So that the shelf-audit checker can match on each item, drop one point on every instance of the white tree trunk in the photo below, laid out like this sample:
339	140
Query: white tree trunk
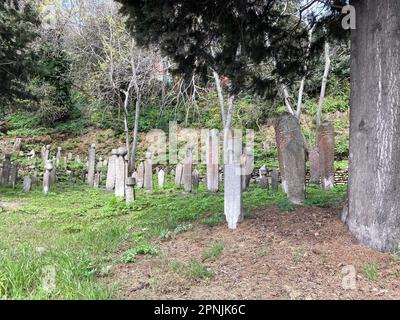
324	82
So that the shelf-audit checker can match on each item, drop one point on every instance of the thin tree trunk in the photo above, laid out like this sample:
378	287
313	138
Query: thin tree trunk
126	126
324	82
373	213
220	96
135	133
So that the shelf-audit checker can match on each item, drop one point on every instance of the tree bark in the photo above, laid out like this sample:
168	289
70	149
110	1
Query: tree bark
324	82
135	133
373	213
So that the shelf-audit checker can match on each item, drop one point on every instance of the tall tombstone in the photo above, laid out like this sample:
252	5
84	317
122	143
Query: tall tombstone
326	148
313	158
6	170
27	183
120	175
46	177
161	179
43	153
53	176
17	145
247	161
274	180
97	175
148	172
91	165
140	175
187	170
212	156
111	171
195	180
233	204
47	153
178	175
130	190
262	179
13	175
291	155
58	156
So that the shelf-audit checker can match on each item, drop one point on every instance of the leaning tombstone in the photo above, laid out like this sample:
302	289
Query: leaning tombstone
17	145
97	176
47	153
46	177
53	176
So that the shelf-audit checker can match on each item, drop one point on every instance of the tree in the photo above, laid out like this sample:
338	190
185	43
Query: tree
18	29
373	212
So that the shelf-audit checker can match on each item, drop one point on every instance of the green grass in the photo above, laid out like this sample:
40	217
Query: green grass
80	232
371	270
213	252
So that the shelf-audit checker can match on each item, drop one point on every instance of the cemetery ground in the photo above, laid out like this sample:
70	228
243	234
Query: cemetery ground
167	245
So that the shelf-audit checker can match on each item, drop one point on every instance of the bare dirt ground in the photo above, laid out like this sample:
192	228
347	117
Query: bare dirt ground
11	205
272	255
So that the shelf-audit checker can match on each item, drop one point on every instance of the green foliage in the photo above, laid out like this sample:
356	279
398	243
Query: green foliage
142	249
213	252
285	205
214	220
371	270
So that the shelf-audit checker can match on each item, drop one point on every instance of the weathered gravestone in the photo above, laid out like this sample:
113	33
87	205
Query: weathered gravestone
291	155
111	171
263	180
140	175
161	179
13	175
212	156
233	206
130	191
148	172
27	184
53	175
91	165
178	175
17	145
46	177
6	169
58	156
326	148
247	162
97	175
274	180
120	176
195	180
187	170
313	158
46	153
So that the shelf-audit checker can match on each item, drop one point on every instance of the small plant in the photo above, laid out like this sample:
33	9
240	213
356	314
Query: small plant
145	249
182	228
198	271
164	234
285	205
213	252
371	271
215	220
298	254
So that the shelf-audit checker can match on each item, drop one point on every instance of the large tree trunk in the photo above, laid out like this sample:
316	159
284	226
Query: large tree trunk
373	213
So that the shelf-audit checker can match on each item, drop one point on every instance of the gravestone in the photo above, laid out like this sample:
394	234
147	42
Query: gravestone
58	156
97	176
140	175
130	191
13	175
212	156
120	175
32	154
46	177
326	148
274	180
291	155
148	172
27	184
70	156
91	165
47	153
17	145
53	175
43	153
195	180
313	158
247	168
161	179
178	175
6	170
187	170
263	180
111	171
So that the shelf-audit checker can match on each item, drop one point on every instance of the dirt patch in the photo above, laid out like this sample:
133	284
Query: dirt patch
272	255
11	205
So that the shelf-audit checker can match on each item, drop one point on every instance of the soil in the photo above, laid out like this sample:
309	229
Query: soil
272	255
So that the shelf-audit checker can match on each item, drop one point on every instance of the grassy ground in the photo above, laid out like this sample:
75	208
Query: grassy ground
80	233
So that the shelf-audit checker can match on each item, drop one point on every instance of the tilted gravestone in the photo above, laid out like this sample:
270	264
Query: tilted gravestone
326	148
91	165
148	172
291	155
212	156
120	176
233	205
178	175
111	171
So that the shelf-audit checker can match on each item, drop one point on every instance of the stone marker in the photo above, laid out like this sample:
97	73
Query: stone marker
195	180
187	170
148	172
263	180
140	175
97	176
247	162
178	175
91	165
43	153
47	153
120	174
291	155
161	179
27	184
46	177
53	175
70	156
326	148
13	175
274	180
313	158
130	191
6	168
58	156
111	171
212	156
17	145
